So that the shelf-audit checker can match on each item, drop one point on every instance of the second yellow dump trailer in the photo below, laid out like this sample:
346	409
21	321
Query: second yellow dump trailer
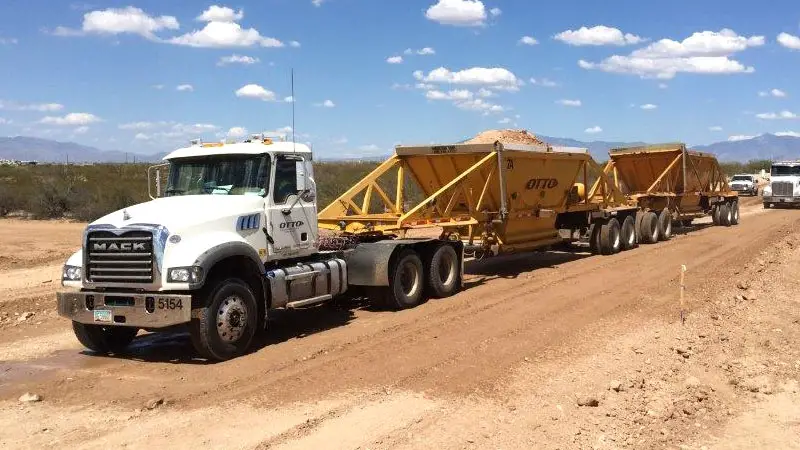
669	182
494	198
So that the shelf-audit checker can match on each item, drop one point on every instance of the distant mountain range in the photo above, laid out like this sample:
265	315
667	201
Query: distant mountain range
766	146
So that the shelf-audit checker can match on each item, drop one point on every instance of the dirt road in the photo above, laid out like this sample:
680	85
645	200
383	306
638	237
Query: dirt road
504	364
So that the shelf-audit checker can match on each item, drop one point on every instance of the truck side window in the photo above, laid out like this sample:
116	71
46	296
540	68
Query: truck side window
285	180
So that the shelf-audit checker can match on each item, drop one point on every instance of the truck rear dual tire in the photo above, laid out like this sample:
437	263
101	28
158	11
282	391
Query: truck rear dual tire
227	323
442	277
725	215
665	225
649	229
734	213
104	339
628	233
610	237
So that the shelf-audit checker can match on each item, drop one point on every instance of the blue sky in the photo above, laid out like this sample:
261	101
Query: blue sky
147	76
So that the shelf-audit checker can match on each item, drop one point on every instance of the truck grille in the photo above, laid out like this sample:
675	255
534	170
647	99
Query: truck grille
782	188
123	258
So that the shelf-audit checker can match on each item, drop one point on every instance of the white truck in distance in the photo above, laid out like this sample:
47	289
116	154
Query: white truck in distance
234	237
745	183
784	184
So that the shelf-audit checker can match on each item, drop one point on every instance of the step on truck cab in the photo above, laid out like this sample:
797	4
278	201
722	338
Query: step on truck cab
784	184
231	236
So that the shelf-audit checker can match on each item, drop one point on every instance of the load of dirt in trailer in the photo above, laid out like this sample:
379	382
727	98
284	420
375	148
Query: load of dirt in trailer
508	136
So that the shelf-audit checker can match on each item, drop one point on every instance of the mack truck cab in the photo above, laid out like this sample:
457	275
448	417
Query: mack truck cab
233	236
784	184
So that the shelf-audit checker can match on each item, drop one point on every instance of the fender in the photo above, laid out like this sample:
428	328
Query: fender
215	254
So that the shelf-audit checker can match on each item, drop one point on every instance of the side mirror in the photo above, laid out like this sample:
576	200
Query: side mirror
302	181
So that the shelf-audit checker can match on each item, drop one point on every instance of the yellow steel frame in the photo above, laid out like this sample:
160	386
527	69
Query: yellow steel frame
345	214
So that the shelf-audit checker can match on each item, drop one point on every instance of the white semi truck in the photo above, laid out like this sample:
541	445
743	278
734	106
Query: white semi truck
784	184
234	235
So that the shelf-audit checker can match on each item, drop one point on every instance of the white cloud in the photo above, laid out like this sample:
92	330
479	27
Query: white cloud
255	91
479	105
402	87
74	119
703	52
142	125
470	13
317	3
485	93
142	137
704	43
8	41
426	51
220	14
237	59
129	20
294	44
788	133
715	128
527	40
495	12
662	85
543	82
455	95
504	120
369	148
566	102
773	92
282	132
777	116
81	130
4	121
648	106
497	77
340	141
394	60
425	86
158	86
288	99
789	41
236	132
593	130
185	88
740	137
40	107
667	68
325	104
597	35
225	35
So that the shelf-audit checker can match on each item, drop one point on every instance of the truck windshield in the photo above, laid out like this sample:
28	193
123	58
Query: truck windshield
741	178
219	175
785	170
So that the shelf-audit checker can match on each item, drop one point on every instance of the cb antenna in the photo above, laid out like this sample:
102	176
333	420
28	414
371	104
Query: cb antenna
294	150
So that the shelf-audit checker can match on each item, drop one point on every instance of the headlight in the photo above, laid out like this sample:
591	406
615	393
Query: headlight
71	273
185	274
767	190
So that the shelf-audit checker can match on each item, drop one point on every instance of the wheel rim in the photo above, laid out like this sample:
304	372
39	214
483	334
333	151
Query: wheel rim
446	272
668	228
409	279
231	319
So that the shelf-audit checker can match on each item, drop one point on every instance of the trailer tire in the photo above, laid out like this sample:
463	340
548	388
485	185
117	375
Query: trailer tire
227	322
628	233
665	225
610	239
399	296
638	225
102	339
735	213
724	212
594	238
442	271
715	217
648	232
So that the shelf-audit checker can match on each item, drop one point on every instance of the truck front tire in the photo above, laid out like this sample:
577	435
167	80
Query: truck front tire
443	272
228	321
102	339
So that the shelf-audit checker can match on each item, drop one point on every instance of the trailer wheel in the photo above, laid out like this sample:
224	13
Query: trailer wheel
665	225
594	238
442	271
227	324
610	239
406	281
100	339
638	225
715	217
725	216
628	233
734	213
649	228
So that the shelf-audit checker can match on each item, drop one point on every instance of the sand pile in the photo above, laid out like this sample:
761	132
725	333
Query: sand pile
520	137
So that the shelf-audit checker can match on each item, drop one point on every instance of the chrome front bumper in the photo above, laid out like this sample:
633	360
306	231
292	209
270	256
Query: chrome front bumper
125	309
778	200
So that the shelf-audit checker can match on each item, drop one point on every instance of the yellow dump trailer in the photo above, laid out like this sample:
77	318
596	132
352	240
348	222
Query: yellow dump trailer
669	182
494	198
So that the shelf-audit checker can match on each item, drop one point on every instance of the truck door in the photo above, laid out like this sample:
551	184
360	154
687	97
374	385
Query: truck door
292	211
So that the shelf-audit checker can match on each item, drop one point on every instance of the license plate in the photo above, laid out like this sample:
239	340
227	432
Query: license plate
103	315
